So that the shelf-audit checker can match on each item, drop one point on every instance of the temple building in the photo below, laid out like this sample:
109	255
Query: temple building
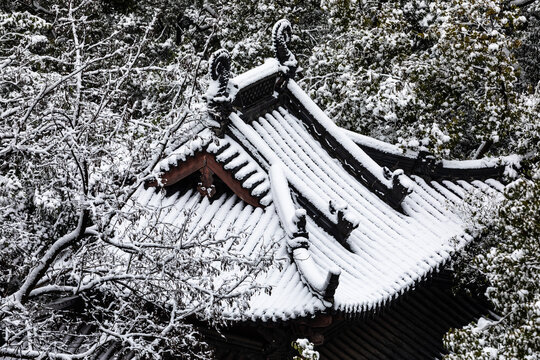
365	231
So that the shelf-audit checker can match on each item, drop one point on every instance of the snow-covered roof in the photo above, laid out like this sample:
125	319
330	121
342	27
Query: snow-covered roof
352	235
422	163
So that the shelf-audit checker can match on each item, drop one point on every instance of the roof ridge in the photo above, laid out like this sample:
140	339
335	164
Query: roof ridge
425	164
322	283
389	186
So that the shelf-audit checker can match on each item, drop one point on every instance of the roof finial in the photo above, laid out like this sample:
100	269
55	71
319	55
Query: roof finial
299	221
401	187
346	222
217	95
220	70
281	36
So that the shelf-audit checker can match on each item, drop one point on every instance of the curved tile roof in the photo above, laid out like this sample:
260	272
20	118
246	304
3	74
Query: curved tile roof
387	254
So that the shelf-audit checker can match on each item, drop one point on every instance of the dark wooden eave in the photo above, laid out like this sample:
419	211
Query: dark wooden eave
205	162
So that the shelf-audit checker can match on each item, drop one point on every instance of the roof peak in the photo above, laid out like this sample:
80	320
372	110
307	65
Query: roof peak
221	92
281	36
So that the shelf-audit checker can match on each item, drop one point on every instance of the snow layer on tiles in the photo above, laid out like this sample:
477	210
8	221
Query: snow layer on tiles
227	216
236	162
254	140
239	156
317	279
233	157
188	149
337	133
391	252
289	299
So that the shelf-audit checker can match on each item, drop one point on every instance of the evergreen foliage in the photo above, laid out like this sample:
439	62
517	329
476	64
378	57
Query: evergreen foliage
507	261
305	350
439	75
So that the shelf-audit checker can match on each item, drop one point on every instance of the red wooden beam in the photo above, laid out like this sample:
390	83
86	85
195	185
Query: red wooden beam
181	171
231	182
206	186
207	164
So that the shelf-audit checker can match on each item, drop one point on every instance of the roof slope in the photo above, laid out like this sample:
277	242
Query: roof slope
352	234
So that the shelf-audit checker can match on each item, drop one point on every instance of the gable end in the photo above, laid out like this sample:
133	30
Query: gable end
207	164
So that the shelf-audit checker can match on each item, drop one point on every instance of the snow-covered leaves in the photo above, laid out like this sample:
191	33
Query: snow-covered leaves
435	75
507	259
305	350
92	96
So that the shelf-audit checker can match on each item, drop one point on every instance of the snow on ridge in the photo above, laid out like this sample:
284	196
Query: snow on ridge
488	162
282	198
269	67
192	146
206	141
378	144
336	132
315	277
470	164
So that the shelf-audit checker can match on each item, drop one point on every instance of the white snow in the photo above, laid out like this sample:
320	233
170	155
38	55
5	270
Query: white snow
282	198
269	67
336	132
205	140
378	145
314	277
190	148
493	47
472	164
311	274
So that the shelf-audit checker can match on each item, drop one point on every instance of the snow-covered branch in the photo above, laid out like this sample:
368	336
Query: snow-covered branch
48	258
